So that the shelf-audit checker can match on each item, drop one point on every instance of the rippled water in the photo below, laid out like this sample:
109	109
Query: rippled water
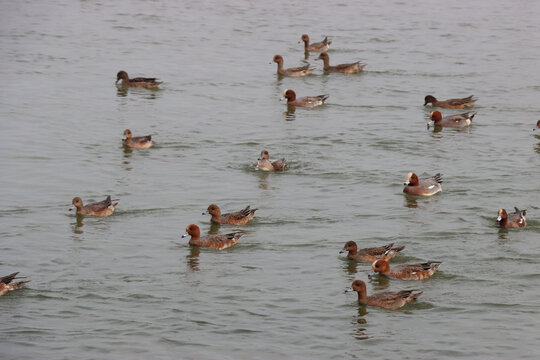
129	287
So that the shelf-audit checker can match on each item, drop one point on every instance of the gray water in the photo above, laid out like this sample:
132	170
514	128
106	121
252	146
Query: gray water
129	287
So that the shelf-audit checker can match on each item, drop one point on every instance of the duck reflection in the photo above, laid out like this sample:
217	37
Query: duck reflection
411	202
360	332
214	228
263	177
77	225
290	113
350	266
193	258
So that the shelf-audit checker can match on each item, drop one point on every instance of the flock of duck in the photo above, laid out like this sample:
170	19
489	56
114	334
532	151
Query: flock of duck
378	256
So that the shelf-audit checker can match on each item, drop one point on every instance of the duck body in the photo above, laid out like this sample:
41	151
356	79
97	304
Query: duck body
306	101
385	252
459	120
450	103
241	217
264	163
138	81
218	242
292	72
423	187
389	299
101	209
137	142
511	220
341	68
405	271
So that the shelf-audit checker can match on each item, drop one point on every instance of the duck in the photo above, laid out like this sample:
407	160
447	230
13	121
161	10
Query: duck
6	284
264	163
450	103
422	187
218	242
138	142
316	47
515	219
102	208
341	68
292	72
389	299
307	101
385	252
241	217
405	271
459	120
138	81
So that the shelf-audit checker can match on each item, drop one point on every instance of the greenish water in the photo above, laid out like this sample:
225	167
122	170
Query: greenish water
128	286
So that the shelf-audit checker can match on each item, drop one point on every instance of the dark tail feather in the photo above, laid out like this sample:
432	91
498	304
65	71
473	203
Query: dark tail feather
438	178
8	278
398	248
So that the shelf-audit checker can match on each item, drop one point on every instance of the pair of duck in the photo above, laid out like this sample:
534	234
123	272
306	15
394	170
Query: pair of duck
432	185
306	70
379	256
220	241
457	120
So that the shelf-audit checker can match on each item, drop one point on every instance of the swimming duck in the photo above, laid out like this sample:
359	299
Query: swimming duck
6	284
460	120
292	72
515	219
218	242
385	252
316	47
422	187
450	103
264	163
241	217
138	142
341	68
388	299
101	208
307	101
405	271
138	81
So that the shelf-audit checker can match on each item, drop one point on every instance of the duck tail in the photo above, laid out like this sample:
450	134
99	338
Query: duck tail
398	248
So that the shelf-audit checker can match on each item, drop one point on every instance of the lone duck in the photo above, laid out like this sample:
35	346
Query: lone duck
138	81
450	103
405	271
341	68
102	208
138	142
385	252
218	242
306	101
316	47
460	120
241	217
264	163
388	299
292	72
422	187
515	219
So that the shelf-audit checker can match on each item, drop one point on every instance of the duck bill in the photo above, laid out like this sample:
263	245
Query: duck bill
406	183
342	251
371	273
349	289
205	212
499	219
185	235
